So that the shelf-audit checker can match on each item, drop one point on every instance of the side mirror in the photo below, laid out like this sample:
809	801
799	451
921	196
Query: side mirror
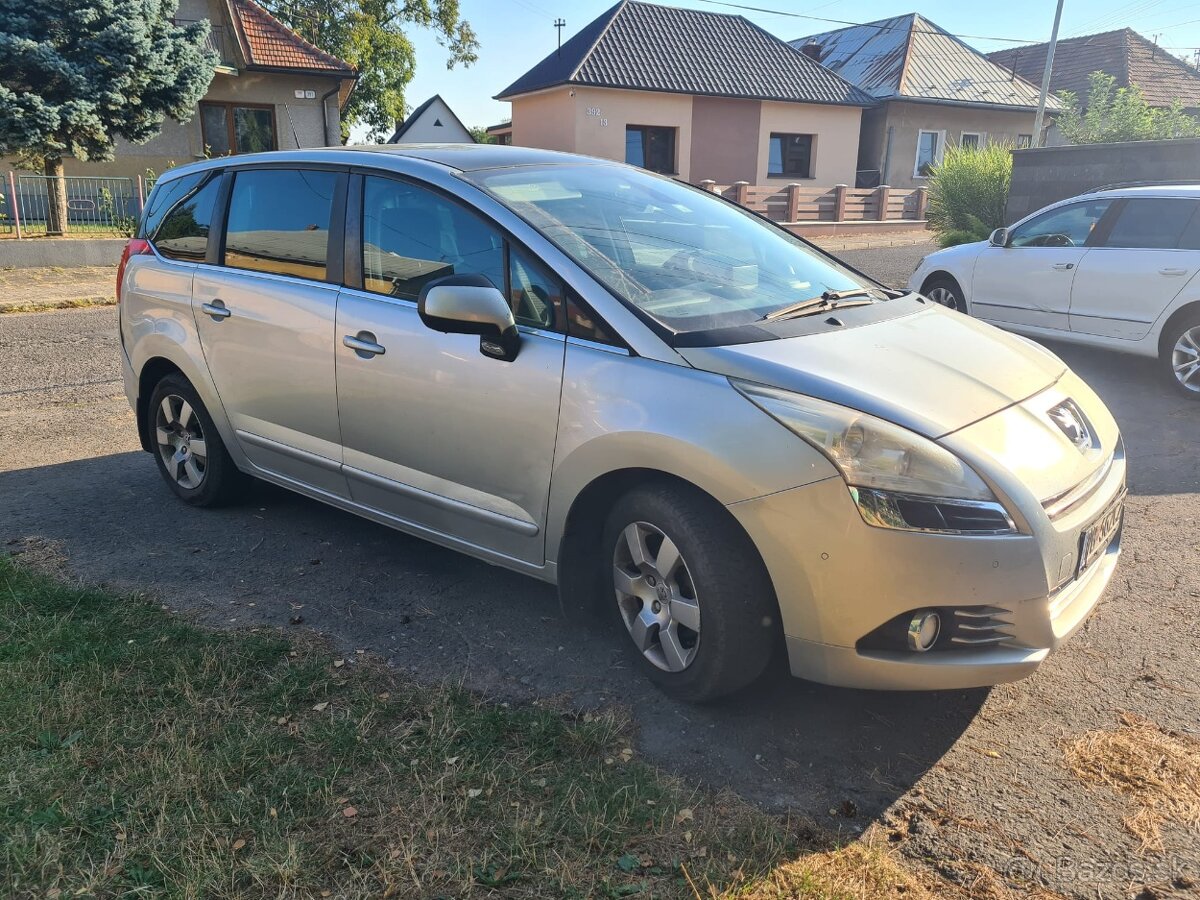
469	304
999	238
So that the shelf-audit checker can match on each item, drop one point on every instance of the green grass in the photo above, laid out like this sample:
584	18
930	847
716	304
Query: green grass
143	756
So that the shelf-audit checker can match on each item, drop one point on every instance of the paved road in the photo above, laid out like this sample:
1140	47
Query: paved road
977	774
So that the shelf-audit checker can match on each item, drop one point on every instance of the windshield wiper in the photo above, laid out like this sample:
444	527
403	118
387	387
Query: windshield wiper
829	300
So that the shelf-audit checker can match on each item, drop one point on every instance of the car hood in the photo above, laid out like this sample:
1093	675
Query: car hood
934	371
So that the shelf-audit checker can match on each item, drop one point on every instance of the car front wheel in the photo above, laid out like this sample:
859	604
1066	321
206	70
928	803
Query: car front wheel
945	291
691	594
1180	356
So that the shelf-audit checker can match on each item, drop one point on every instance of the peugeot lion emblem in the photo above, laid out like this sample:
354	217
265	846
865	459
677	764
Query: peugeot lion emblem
1072	423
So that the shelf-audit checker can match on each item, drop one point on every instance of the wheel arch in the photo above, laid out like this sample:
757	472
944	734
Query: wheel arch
1187	310
153	371
943	274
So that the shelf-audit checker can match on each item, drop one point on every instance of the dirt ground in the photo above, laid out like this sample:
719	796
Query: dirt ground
974	783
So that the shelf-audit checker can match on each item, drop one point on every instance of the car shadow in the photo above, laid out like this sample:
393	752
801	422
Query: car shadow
281	560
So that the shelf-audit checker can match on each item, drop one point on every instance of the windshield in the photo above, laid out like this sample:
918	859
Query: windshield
681	255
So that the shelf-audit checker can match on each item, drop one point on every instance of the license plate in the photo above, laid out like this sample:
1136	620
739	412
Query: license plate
1097	536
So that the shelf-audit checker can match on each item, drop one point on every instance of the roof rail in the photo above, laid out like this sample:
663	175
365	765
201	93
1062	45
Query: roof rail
1117	185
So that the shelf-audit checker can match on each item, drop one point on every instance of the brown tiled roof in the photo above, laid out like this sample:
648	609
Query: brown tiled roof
269	43
1130	58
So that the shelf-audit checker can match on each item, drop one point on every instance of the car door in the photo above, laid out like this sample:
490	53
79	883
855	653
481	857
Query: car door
1145	258
434	433
1028	281
266	321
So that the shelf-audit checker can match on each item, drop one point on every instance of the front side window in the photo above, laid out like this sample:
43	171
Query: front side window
1151	224
229	128
279	221
929	152
651	148
534	294
183	232
412	236
1067	226
688	259
790	155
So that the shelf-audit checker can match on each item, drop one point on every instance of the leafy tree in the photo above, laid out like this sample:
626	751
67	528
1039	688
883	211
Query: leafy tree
75	75
968	191
479	132
1120	114
370	35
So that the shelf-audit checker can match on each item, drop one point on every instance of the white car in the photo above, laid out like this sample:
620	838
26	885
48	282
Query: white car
1113	268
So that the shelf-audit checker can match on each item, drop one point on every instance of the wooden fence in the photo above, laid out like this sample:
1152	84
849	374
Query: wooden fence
795	203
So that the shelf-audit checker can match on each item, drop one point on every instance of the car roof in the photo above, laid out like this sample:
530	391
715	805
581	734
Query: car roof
1186	191
459	157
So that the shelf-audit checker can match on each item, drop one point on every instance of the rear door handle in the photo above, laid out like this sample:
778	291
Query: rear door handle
1064	267
1172	272
217	310
363	344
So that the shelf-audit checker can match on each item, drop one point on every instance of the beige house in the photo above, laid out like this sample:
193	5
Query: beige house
694	94
932	91
272	90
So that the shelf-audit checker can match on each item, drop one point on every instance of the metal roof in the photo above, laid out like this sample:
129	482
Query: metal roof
909	57
647	47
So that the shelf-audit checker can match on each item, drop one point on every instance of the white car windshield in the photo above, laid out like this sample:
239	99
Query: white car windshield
679	254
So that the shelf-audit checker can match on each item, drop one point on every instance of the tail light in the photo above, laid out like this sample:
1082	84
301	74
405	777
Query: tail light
135	247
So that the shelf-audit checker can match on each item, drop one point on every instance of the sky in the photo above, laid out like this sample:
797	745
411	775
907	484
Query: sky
516	34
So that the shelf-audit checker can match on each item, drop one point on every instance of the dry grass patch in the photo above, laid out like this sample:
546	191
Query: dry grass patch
1156	769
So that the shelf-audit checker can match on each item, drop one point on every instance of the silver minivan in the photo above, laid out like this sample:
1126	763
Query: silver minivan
694	423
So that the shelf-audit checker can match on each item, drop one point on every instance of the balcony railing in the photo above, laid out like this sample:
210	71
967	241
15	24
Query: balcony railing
218	40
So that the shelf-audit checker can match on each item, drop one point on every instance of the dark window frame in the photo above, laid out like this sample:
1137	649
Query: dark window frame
354	248
231	126
784	136
673	130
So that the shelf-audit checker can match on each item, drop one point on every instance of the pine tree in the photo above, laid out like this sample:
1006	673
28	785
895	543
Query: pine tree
75	75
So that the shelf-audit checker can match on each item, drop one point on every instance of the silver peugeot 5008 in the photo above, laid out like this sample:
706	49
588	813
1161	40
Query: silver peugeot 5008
687	418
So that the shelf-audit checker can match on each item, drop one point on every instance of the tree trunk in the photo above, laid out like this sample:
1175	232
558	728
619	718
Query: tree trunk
56	194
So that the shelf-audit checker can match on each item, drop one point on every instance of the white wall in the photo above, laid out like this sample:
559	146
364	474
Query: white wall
425	130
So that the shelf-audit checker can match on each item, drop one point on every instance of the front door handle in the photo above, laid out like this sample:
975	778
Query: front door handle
1172	273
217	310
363	344
1063	267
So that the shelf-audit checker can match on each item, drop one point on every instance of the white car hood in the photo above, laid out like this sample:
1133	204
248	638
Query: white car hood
934	371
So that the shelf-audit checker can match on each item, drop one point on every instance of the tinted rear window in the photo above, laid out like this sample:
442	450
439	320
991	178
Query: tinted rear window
1151	224
279	222
183	233
165	195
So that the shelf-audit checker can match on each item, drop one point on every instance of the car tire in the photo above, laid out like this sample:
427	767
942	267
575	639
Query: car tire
1179	355
945	291
191	456
717	577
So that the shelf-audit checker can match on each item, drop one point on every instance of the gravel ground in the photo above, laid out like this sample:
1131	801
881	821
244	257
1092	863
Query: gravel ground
967	779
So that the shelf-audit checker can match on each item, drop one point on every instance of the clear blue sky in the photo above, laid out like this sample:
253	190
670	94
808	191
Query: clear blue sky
515	34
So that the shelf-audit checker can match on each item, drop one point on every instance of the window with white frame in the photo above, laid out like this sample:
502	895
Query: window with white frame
971	140
1024	141
929	152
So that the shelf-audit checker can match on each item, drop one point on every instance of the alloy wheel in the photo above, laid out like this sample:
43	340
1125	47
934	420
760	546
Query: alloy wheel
180	440
944	297
656	597
1185	359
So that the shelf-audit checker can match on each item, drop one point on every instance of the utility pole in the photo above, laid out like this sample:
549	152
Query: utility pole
1041	113
560	24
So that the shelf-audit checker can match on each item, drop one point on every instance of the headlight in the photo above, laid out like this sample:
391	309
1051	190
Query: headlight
897	478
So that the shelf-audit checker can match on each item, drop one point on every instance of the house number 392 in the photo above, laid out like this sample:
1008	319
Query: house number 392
595	111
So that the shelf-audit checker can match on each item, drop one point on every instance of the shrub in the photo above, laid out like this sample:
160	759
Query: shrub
967	193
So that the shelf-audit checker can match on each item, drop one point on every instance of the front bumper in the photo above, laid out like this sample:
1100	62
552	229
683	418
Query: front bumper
838	579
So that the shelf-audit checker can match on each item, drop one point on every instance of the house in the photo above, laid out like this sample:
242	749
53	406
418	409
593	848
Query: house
1130	58
433	122
500	133
272	90
695	94
932	90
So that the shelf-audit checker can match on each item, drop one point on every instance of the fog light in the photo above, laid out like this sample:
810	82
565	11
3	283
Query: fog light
923	631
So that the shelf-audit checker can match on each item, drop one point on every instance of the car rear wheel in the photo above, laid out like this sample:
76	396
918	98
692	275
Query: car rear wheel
191	456
1180	356
692	595
944	291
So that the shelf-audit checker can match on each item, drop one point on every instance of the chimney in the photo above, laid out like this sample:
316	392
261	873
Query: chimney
812	50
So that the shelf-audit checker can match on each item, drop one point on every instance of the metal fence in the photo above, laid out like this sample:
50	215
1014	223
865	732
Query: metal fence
87	206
